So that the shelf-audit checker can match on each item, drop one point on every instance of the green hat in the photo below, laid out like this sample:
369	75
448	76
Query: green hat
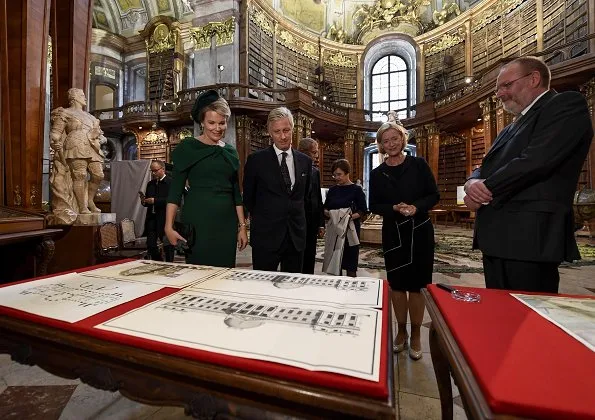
204	99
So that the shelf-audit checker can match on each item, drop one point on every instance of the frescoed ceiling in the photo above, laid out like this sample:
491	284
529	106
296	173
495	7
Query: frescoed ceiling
127	17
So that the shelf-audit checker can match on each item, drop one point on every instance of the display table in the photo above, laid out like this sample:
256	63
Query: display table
204	383
507	360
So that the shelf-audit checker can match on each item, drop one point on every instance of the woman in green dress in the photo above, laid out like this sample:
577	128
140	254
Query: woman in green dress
213	204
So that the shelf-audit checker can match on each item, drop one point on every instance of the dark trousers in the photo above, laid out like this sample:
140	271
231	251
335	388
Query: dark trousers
528	276
153	248
310	251
289	258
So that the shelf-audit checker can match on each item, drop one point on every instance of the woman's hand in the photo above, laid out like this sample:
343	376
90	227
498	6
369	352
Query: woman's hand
173	237
242	238
407	210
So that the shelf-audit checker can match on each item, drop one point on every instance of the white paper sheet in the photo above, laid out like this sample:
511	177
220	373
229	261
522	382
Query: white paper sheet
156	272
71	297
314	337
576	316
359	291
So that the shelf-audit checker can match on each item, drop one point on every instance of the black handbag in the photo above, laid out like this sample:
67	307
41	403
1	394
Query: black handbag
187	231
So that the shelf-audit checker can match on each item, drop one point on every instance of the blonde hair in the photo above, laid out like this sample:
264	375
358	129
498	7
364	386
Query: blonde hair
220	106
279	114
387	126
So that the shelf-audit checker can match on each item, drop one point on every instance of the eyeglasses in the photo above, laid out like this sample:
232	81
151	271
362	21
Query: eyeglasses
508	85
337	175
156	170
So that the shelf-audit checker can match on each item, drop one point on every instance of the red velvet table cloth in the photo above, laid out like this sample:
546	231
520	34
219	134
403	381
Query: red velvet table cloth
525	365
372	389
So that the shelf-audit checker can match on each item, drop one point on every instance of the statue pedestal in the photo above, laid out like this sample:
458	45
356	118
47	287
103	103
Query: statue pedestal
371	230
78	245
94	219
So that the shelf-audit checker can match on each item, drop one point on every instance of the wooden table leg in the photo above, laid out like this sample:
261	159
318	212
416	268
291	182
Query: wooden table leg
442	372
45	252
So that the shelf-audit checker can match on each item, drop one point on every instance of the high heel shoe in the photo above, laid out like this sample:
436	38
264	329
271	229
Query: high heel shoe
397	348
415	354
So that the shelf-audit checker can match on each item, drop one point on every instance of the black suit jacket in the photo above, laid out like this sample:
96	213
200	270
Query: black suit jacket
273	211
315	215
155	219
532	170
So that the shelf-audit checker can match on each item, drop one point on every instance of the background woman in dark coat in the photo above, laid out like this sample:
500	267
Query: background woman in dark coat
402	191
346	194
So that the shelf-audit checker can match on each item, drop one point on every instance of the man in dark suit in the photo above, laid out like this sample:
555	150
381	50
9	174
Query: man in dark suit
276	194
155	199
524	189
315	216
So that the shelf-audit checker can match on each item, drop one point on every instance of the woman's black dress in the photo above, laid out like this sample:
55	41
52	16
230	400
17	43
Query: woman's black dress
342	197
407	242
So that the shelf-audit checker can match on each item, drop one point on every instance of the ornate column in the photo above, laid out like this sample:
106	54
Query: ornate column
243	130
421	138
433	147
23	67
488	111
302	128
349	151
421	74
358	160
588	89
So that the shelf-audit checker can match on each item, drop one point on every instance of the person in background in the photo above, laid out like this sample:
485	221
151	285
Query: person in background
315	215
155	199
524	189
402	191
276	193
213	204
346	194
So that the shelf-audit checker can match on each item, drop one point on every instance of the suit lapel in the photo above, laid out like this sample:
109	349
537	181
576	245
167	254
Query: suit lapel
297	169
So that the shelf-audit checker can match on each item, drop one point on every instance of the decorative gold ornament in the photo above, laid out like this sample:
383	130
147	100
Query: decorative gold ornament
337	34
385	14
33	196
155	137
184	133
162	39
448	12
341	60
493	12
17	200
447	41
262	21
299	45
222	31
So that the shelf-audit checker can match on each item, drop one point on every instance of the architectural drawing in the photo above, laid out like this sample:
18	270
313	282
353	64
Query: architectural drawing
71	297
242	314
318	337
83	295
293	281
322	289
156	272
576	316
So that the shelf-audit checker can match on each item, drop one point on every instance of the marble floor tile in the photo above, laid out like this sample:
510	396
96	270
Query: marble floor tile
87	403
168	413
417	407
16	374
34	402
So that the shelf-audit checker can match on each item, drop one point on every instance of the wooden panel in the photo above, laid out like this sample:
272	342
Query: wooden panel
71	38
27	34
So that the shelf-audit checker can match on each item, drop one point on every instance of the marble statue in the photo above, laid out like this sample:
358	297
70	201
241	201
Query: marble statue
76	139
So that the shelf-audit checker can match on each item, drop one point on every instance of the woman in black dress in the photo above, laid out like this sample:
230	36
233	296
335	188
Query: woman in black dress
346	194
402	191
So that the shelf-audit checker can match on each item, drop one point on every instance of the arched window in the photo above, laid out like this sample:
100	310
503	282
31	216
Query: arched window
390	87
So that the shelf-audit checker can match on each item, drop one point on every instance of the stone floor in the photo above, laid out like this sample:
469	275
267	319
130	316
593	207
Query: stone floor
31	393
